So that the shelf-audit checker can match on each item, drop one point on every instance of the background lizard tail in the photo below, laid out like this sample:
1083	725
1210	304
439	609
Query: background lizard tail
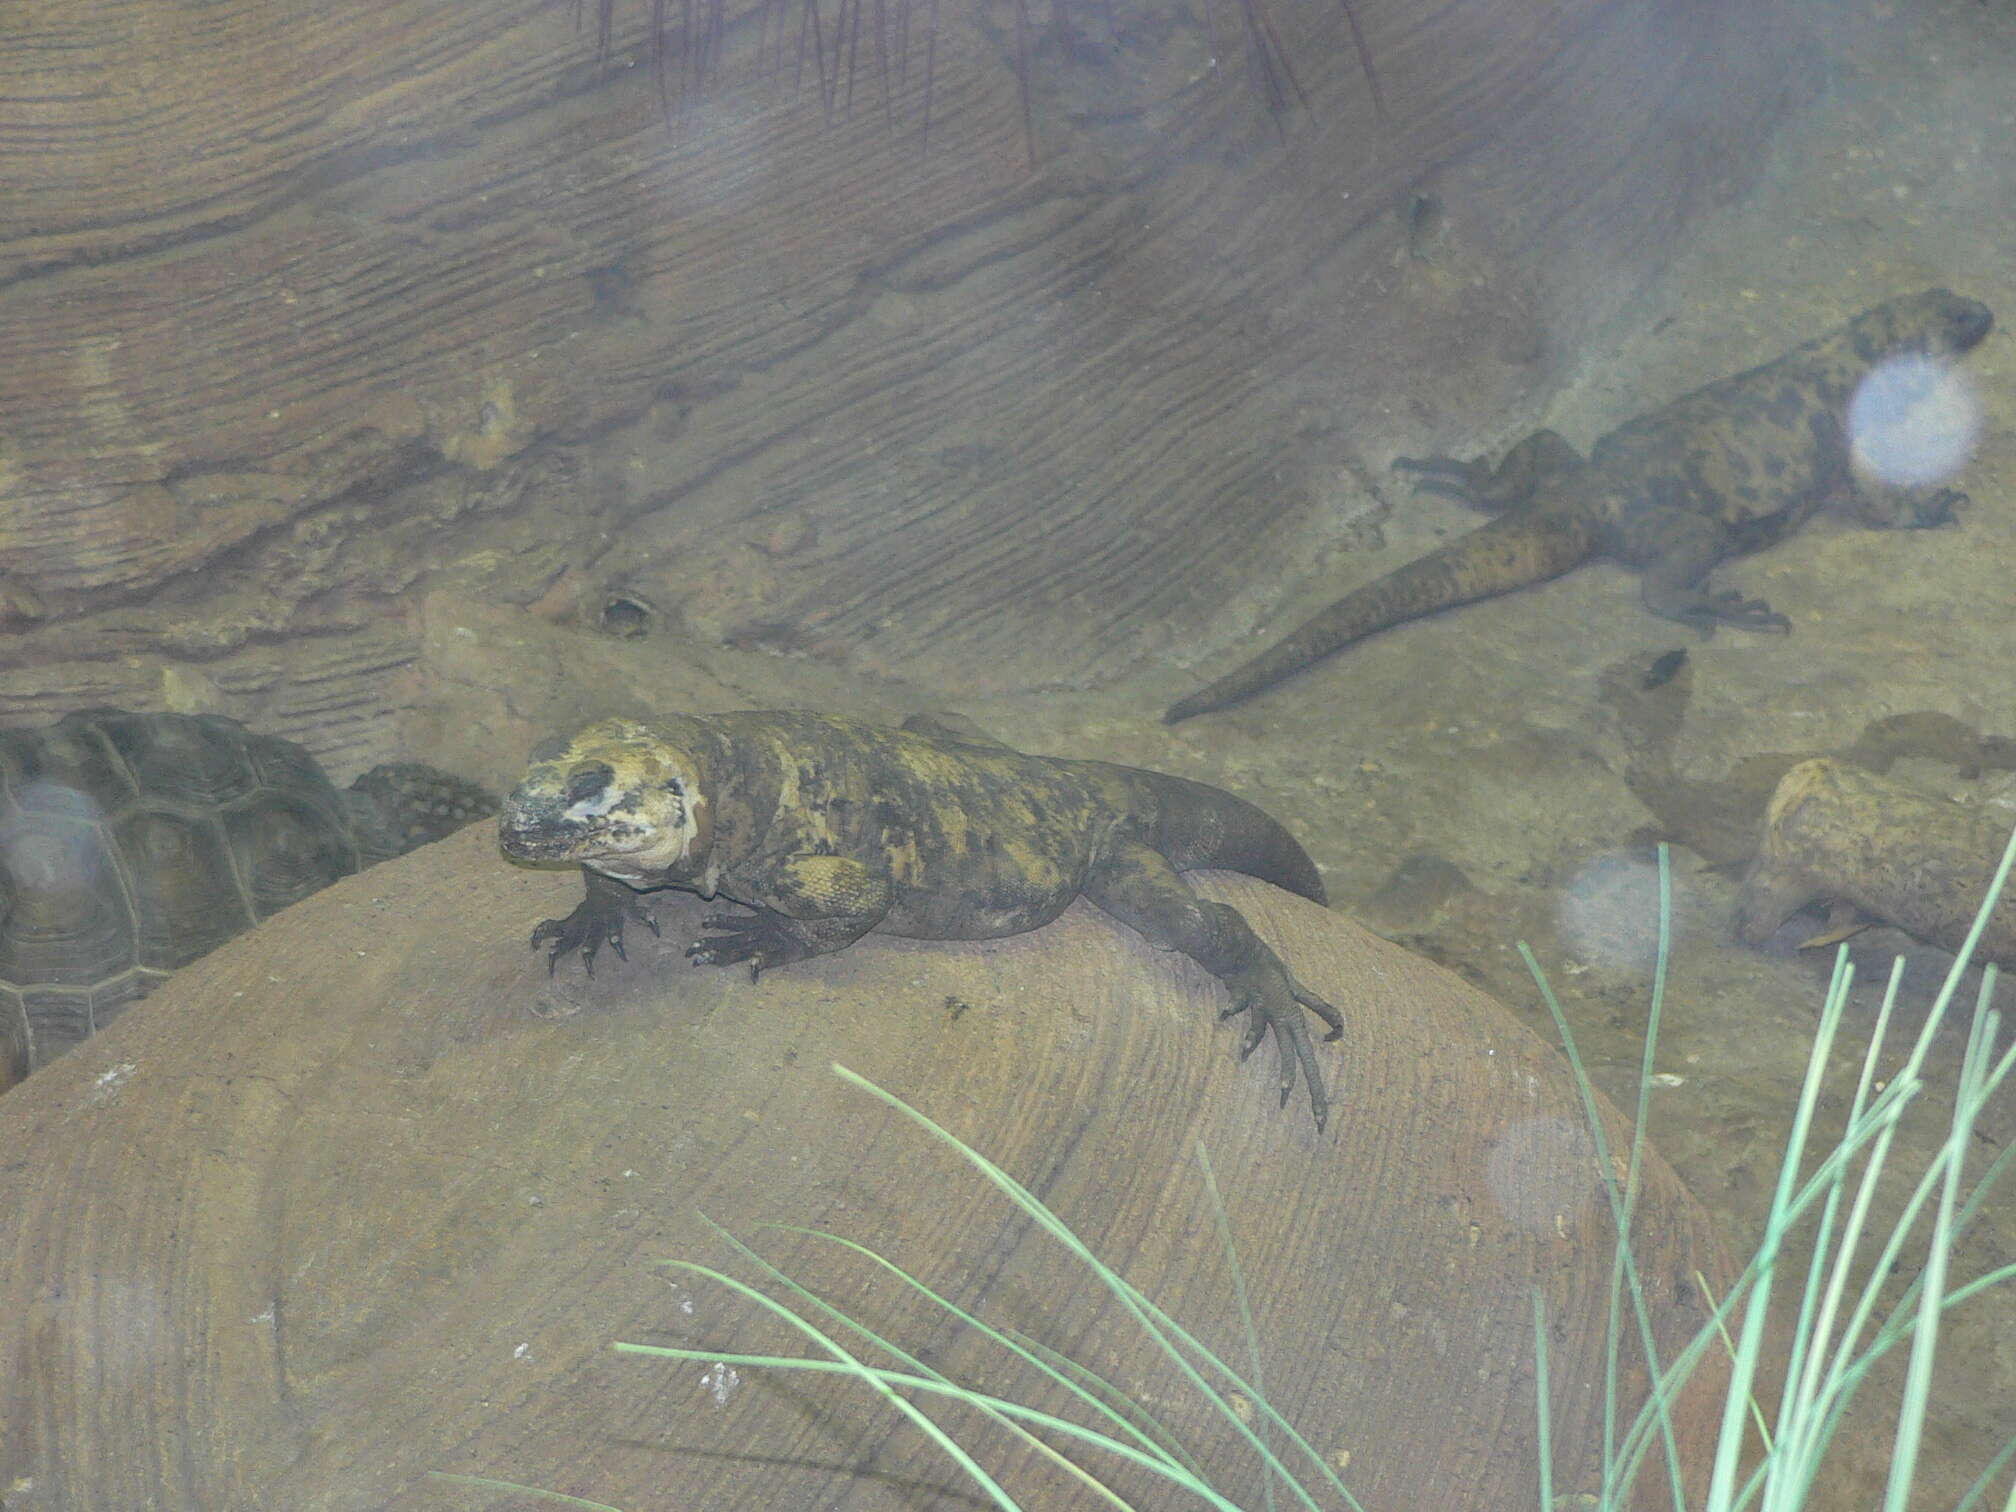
1508	553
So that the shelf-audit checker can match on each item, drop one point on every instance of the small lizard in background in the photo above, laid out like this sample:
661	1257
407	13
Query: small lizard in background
1728	469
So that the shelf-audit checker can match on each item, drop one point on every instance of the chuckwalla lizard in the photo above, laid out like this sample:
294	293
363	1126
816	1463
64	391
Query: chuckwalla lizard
1726	470
829	828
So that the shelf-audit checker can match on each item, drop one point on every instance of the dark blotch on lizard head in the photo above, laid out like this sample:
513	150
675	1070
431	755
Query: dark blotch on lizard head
589	780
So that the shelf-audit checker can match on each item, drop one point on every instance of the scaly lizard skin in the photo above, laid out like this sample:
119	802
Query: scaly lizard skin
830	829
1728	469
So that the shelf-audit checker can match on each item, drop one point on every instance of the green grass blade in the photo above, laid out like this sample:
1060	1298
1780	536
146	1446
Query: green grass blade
1159	1327
1148	1443
1633	1172
1544	1408
1750	1343
893	1382
1586	1090
827	1309
1174	1333
1918	1373
1118	1401
1847	1369
1809	1352
1757	1418
1987	1477
1252	1335
844	1362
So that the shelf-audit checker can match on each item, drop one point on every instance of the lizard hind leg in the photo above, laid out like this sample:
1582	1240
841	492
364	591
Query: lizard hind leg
1137	885
1674	549
1510	485
807	905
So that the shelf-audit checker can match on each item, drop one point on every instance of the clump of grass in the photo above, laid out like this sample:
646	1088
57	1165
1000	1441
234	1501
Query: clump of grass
1116	1425
1841	1325
1841	1328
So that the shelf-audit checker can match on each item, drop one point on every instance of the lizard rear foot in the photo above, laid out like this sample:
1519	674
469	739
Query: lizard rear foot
1276	1000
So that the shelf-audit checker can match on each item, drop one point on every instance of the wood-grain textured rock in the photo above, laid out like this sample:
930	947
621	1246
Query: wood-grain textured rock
337	1208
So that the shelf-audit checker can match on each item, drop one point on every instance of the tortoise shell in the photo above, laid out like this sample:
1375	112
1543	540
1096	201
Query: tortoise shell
131	844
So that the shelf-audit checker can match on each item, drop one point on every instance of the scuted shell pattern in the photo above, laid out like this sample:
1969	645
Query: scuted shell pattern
131	844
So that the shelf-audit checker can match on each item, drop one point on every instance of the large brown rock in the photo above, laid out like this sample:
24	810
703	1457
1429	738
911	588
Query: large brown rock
1883	851
306	307
362	1195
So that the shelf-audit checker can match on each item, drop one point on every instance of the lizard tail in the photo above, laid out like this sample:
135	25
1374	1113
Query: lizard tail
1198	826
1508	553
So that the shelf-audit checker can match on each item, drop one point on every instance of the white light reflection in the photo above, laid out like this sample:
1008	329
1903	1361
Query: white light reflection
1610	913
1913	421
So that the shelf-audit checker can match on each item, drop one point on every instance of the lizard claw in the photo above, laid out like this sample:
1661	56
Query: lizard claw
1704	611
757	938
597	920
1732	609
1276	999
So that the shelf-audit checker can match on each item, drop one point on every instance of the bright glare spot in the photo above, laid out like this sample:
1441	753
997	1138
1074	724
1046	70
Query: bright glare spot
1610	913
720	1379
109	1082
1913	421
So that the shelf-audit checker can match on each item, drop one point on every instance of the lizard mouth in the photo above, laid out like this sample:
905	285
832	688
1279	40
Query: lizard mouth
594	822
531	829
556	815
538	830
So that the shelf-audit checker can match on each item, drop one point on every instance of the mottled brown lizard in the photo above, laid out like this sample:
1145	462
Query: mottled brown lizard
829	829
1726	470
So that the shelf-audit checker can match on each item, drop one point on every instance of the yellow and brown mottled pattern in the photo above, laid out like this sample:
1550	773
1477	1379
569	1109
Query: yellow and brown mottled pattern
830	828
1725	470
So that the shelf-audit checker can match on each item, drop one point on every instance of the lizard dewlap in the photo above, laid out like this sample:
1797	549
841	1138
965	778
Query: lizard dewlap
829	829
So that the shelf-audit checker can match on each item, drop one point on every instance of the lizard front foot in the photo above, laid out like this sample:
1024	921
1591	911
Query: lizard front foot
1742	613
1909	508
763	938
1704	611
597	920
1276	1000
1937	509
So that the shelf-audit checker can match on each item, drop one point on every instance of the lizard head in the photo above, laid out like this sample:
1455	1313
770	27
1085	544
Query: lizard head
1911	418
616	796
1937	323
